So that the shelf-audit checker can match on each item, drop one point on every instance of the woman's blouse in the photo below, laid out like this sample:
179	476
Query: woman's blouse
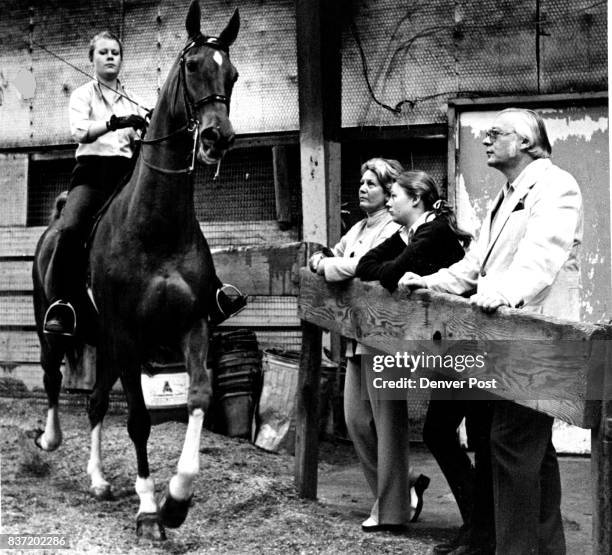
358	240
88	105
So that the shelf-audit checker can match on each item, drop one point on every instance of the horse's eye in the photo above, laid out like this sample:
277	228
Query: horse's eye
192	65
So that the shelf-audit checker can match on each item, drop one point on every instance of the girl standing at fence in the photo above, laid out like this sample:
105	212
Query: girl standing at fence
429	240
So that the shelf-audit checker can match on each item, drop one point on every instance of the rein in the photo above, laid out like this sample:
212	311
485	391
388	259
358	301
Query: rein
192	125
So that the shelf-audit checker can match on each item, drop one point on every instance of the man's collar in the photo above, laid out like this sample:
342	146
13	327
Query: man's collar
530	173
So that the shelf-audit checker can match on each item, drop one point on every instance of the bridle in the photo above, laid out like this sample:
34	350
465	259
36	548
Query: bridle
192	125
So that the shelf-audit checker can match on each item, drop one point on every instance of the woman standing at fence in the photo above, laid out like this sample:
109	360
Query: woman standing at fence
429	240
378	430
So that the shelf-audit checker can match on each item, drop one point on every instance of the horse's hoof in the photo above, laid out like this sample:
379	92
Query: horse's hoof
101	493
173	512
148	527
38	434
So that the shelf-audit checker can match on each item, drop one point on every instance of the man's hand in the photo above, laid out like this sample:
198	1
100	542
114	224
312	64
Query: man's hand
488	302
122	122
411	281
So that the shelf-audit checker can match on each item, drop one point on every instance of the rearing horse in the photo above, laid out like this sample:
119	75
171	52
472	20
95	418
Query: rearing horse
152	273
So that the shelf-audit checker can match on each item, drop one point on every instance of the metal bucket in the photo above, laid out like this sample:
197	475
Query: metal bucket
236	363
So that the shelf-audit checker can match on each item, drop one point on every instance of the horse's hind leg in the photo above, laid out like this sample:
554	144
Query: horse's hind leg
175	503
51	356
98	405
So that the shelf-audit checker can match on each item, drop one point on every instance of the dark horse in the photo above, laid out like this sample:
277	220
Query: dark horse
152	274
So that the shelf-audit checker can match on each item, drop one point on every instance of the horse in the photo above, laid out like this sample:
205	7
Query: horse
151	275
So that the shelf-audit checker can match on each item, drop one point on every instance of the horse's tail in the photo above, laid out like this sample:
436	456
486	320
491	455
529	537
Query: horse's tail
56	211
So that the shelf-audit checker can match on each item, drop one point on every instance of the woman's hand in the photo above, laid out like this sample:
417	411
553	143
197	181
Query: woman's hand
411	281
314	261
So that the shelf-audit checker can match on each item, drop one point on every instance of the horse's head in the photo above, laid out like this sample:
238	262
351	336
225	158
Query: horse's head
208	79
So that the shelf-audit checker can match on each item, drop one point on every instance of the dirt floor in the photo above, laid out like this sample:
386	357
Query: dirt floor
244	502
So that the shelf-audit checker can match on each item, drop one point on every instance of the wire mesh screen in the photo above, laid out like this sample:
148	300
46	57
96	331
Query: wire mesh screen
427	51
429	157
243	191
47	179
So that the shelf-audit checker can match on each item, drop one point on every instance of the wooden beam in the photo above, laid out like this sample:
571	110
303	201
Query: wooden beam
264	270
20	242
319	78
282	186
547	100
307	401
562	361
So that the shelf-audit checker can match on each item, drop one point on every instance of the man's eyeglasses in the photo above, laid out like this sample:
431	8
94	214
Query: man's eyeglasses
493	134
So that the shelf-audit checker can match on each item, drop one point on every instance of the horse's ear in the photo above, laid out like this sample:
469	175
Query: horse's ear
192	23
229	34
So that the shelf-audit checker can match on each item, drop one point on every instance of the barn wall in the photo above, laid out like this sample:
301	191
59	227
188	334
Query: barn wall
421	53
415	55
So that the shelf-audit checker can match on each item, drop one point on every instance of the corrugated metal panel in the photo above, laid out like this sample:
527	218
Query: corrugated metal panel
424	51
153	33
573	46
495	46
409	51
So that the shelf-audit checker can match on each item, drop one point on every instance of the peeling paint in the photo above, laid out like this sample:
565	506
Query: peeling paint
579	135
560	127
468	210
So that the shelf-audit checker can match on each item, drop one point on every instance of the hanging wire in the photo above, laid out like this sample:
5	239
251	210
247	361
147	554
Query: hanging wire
397	109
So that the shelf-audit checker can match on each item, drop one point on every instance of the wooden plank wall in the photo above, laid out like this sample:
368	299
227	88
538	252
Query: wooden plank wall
268	274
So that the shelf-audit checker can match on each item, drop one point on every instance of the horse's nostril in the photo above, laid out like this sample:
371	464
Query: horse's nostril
210	134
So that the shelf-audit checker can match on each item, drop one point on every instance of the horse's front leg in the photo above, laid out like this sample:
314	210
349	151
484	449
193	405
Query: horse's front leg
175	503
148	524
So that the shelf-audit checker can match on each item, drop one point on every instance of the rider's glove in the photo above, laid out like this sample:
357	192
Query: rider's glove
121	122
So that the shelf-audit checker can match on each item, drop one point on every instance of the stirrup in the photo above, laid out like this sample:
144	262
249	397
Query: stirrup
233	307
60	307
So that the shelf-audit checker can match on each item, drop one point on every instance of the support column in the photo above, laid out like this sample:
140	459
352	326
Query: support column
319	81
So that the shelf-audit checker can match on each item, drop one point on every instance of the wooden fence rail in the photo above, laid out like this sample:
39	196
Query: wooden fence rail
565	364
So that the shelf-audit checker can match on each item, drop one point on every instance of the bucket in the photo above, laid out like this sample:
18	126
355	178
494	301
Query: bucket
277	403
164	388
236	363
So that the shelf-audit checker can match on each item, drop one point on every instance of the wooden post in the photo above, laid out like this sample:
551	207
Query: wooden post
307	428
601	470
282	190
318	35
